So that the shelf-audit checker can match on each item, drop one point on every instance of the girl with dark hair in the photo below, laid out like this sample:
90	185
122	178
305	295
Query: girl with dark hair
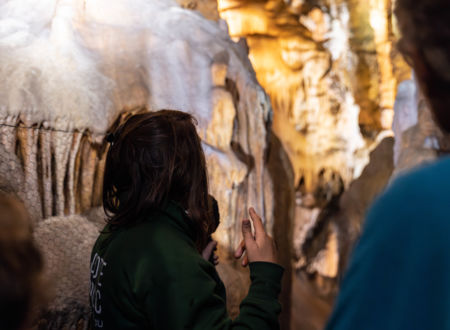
149	266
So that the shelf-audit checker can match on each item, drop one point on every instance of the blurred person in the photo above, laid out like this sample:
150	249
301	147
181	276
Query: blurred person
150	266
21	267
398	277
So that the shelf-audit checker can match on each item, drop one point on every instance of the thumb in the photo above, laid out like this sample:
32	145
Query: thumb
247	231
209	249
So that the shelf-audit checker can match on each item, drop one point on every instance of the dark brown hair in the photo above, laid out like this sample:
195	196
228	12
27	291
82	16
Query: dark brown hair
156	157
21	266
425	29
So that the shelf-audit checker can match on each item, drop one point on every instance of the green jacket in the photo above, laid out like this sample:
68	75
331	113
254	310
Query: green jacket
150	276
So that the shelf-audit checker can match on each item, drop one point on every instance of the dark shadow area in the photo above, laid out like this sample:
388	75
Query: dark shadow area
282	177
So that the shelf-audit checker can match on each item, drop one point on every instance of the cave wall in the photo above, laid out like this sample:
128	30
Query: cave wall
331	71
293	98
69	69
334	77
325	245
314	115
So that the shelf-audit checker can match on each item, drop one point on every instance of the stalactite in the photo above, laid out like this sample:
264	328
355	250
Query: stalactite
27	137
97	188
86	178
315	115
78	172
70	186
61	143
46	170
50	163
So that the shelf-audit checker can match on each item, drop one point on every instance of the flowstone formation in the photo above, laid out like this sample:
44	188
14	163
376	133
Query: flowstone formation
69	69
332	70
315	114
326	247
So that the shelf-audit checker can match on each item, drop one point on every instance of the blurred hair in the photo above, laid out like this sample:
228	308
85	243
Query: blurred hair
156	157
425	29
21	266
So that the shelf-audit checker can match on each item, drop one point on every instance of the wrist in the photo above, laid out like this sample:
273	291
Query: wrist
266	278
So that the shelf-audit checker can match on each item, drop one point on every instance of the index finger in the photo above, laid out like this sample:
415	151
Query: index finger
257	223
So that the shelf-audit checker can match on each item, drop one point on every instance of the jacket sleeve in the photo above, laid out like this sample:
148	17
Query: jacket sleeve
185	295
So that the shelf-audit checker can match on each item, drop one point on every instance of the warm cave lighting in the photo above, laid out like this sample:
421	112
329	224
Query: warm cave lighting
377	20
292	100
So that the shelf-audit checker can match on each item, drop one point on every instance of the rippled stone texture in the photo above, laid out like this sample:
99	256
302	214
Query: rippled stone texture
66	244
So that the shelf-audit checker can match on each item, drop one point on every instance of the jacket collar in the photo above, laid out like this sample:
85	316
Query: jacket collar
180	218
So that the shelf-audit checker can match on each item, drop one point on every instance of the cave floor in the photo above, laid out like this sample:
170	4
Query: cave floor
308	310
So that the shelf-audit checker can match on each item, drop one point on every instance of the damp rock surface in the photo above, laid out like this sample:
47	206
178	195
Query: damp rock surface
66	243
69	69
331	71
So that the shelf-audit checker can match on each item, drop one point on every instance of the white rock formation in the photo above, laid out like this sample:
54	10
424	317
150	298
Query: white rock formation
303	59
73	66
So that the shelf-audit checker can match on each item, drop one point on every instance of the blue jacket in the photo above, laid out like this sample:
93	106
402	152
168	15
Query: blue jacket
399	275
